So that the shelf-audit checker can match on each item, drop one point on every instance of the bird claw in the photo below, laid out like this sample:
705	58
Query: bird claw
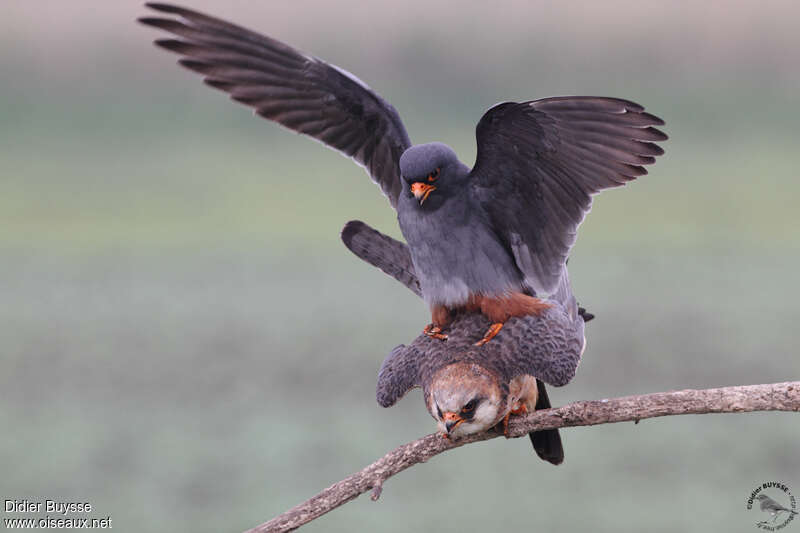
493	330
435	332
521	410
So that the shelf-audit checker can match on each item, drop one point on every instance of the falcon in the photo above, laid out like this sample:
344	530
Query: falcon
468	389
493	238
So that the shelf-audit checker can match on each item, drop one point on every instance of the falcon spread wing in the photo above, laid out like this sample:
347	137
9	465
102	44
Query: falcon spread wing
300	92
540	162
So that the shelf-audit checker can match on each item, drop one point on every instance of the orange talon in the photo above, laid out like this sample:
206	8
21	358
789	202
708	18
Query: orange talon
505	424
494	329
522	409
434	332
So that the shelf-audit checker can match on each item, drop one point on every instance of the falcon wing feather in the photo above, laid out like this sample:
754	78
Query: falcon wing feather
548	347
540	162
298	91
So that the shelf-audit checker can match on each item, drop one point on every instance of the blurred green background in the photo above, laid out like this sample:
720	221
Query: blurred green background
186	344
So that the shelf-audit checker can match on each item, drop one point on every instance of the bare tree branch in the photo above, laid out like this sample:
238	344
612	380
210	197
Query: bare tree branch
746	398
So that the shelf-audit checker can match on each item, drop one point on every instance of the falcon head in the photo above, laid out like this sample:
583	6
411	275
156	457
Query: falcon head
465	398
428	171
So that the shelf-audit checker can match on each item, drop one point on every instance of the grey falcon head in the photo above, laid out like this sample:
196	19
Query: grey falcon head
430	173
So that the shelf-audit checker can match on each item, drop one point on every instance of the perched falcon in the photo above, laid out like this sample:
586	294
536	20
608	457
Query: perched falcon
494	238
469	389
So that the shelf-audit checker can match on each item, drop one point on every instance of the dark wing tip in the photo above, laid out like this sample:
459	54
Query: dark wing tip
156	22
173	45
166	24
655	121
656	150
350	230
654	134
167	8
264	113
634	171
217	83
194	65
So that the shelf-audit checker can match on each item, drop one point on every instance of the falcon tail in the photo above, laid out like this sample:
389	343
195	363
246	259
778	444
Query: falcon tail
547	443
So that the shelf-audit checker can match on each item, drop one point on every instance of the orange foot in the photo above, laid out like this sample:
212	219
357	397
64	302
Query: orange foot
494	329
521	409
434	332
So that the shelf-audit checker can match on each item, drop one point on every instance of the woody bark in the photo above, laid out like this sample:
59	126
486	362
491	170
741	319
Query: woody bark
740	399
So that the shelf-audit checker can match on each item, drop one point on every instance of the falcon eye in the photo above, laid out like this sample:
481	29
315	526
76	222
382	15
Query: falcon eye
433	175
470	406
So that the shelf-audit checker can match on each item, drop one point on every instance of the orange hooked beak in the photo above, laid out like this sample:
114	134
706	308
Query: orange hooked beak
451	421
421	191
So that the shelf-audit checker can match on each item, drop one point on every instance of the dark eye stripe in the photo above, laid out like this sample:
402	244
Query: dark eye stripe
470	406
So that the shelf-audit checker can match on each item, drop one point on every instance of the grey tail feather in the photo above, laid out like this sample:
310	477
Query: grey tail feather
546	443
382	251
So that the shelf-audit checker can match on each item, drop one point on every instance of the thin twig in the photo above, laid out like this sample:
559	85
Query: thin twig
746	398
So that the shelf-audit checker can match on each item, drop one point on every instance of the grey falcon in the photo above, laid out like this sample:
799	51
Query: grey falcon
468	389
492	238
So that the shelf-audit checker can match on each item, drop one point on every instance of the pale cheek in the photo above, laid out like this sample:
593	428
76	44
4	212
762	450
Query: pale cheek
486	417
467	428
483	420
